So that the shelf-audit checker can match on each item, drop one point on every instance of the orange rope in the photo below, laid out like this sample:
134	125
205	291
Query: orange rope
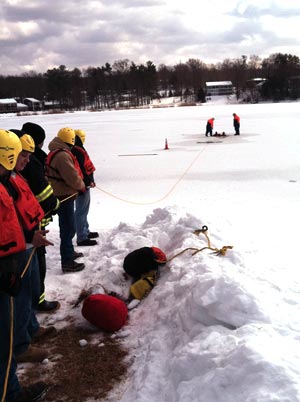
166	195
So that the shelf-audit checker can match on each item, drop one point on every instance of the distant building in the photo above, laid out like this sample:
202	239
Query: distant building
8	105
33	104
22	107
215	88
51	105
253	89
254	82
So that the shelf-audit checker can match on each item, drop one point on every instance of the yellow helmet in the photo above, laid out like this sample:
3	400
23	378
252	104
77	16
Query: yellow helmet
10	147
67	135
27	143
81	135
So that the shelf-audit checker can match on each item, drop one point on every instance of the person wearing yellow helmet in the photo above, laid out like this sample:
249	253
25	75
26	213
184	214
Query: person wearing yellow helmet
81	134
82	204
10	147
65	176
67	135
30	213
27	149
12	244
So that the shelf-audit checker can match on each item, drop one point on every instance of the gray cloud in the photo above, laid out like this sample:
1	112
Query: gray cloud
252	11
85	33
135	3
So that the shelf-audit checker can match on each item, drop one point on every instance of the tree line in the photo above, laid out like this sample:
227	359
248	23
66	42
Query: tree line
127	83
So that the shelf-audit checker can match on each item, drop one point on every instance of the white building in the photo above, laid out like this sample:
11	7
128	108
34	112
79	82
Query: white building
215	88
8	105
33	104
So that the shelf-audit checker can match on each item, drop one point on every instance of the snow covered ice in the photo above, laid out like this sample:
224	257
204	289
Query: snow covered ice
215	328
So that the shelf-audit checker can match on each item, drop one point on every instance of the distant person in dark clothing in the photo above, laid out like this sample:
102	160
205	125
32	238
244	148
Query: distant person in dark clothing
209	126
236	124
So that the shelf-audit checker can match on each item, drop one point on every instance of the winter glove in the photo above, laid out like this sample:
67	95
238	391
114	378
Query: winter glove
10	279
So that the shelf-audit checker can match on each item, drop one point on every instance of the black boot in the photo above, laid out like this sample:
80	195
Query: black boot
32	393
48	306
77	255
87	242
93	235
72	266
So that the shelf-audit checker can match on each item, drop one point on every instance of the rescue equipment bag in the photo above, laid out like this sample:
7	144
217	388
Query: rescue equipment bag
105	312
143	286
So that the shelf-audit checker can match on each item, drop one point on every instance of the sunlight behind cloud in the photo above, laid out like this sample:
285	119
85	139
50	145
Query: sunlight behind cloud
14	2
202	16
5	33
28	28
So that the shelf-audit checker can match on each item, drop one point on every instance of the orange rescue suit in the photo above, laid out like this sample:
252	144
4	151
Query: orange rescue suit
12	238
211	122
29	210
88	164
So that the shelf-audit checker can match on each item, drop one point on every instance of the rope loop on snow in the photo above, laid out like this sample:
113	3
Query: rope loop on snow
181	177
216	251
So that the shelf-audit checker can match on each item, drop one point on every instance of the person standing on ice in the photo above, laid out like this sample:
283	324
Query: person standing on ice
14	194
34	173
65	176
26	326
209	126
236	124
82	203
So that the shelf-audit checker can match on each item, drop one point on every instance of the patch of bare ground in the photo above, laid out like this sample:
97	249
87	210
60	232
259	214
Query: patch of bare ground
76	373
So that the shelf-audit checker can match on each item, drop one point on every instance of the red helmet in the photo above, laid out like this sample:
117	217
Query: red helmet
160	256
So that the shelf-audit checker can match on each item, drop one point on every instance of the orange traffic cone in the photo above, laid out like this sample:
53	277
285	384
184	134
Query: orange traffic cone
166	144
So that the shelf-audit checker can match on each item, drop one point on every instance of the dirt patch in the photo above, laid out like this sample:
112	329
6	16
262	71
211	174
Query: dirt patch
76	373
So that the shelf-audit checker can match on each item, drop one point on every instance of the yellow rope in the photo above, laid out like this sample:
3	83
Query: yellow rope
67	198
12	328
217	251
163	197
28	262
11	337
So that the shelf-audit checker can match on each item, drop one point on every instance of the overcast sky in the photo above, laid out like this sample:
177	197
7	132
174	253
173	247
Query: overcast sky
39	34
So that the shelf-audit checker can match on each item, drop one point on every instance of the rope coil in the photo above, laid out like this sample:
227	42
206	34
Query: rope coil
216	251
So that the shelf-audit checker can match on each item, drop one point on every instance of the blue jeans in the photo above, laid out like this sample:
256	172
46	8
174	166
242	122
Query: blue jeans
81	212
6	315
66	218
26	324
